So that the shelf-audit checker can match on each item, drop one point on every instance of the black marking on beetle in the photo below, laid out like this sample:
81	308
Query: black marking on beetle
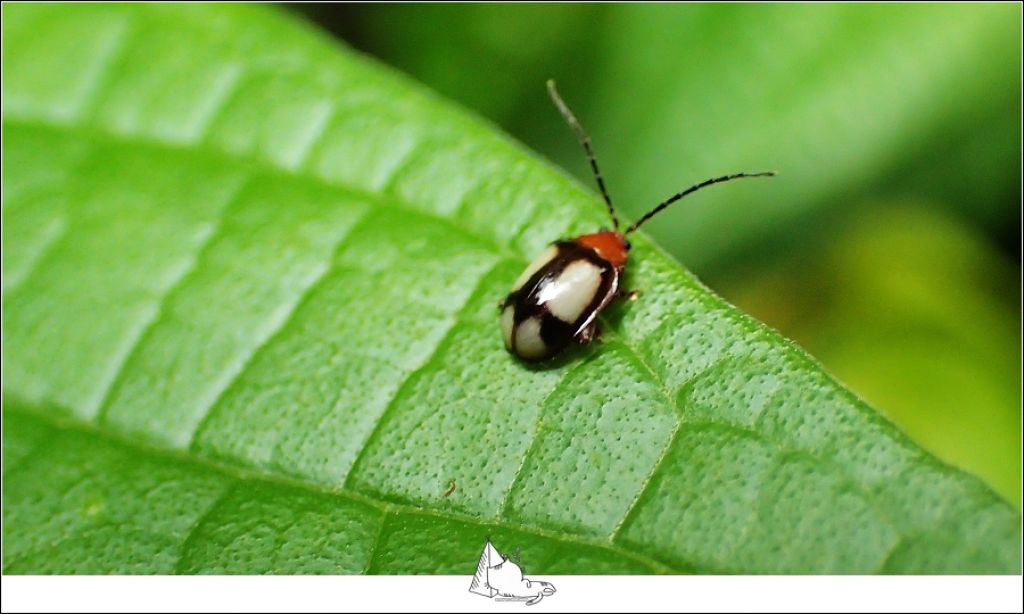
553	331
554	267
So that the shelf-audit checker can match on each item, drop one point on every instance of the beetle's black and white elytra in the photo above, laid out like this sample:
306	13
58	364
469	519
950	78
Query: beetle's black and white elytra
557	299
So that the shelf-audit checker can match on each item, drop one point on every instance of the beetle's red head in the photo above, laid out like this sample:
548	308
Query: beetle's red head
609	244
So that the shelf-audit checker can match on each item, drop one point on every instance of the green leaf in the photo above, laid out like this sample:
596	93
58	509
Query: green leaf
944	370
249	325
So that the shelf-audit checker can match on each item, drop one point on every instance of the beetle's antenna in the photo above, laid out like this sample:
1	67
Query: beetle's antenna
584	140
691	190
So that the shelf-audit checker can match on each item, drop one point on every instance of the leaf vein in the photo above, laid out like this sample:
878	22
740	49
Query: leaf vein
51	239
194	529
376	540
407	377
207	413
159	314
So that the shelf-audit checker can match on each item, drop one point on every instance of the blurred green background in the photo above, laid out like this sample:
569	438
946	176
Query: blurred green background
889	245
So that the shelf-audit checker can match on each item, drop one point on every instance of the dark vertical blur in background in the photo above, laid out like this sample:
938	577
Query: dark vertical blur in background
889	245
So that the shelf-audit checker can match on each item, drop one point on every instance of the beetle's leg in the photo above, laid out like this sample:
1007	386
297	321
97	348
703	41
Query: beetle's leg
588	334
630	295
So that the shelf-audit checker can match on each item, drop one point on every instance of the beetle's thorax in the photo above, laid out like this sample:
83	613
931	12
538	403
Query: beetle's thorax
609	244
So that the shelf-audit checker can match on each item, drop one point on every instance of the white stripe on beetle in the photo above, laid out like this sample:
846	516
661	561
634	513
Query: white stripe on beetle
567	296
545	257
529	344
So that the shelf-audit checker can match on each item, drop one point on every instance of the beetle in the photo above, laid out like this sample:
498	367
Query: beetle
557	299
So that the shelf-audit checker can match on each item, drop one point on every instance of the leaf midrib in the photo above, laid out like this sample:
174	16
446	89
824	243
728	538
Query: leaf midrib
240	473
